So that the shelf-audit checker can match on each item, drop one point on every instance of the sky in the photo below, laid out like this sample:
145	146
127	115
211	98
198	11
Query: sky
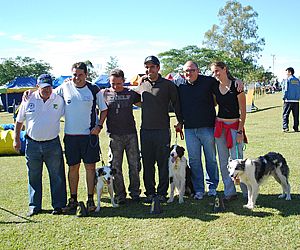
61	32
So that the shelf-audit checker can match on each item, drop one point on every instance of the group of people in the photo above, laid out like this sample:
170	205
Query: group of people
192	98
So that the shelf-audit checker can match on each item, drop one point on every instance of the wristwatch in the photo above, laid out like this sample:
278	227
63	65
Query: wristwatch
100	126
240	132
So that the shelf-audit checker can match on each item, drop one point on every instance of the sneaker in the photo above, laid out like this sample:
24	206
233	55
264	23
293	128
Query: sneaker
162	198
285	130
212	192
90	205
198	196
71	206
57	211
121	201
32	212
135	198
149	198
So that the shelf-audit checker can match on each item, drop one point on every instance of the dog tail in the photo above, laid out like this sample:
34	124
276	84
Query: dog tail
278	160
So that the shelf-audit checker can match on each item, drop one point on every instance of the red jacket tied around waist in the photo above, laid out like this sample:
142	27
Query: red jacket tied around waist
219	126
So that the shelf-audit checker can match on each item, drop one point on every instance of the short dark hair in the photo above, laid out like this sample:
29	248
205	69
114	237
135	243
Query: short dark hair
290	69
117	73
80	65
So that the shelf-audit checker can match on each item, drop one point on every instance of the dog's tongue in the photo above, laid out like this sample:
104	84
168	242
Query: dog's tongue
173	160
108	182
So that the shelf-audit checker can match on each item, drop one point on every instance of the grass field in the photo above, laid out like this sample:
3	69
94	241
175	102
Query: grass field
273	224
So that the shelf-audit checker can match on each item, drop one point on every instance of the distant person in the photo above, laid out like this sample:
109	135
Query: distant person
229	125
291	96
42	112
122	135
156	93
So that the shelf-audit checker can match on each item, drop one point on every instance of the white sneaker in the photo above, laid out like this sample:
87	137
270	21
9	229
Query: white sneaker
198	196
212	192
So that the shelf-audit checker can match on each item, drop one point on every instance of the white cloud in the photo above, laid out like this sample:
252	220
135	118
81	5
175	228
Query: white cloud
61	52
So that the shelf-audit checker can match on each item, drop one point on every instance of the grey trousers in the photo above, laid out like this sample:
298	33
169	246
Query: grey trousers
117	145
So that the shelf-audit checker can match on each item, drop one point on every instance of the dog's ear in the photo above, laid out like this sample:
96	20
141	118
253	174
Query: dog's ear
113	171
100	171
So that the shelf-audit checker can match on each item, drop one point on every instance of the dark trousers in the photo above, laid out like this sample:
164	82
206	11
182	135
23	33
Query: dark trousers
155	146
287	108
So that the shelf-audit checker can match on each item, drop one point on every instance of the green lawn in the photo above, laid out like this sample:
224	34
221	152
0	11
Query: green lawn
193	225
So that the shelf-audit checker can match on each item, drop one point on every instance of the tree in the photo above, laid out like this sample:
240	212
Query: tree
11	68
91	71
237	33
112	64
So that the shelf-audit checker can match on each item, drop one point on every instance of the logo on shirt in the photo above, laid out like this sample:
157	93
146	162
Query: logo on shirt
68	101
55	106
30	107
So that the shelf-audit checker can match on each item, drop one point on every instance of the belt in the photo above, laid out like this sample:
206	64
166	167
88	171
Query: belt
29	138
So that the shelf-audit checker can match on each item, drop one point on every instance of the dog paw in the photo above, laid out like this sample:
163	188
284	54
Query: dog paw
115	205
288	198
181	201
248	206
97	209
282	196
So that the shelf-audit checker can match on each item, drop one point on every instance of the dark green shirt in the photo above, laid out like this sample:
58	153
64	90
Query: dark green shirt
156	97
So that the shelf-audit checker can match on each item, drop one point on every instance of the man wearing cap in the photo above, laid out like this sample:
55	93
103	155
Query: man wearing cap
122	135
156	94
42	112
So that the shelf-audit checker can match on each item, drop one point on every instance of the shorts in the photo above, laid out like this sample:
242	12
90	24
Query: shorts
81	147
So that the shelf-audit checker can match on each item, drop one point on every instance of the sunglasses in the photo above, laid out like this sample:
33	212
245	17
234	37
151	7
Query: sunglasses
189	71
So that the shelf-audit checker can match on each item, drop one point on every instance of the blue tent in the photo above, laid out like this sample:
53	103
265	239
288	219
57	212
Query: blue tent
102	81
12	92
58	81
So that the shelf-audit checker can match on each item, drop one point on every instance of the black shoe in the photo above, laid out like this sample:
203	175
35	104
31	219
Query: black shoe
32	212
296	130
149	198
162	198
57	211
71	206
121	201
90	206
136	198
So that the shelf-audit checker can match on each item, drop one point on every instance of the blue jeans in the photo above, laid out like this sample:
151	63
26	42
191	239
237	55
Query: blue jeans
51	153
196	139
236	152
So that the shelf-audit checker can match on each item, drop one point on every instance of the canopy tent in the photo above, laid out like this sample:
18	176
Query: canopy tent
102	81
58	81
135	80
11	93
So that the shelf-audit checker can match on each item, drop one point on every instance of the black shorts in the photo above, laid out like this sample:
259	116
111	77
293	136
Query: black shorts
81	147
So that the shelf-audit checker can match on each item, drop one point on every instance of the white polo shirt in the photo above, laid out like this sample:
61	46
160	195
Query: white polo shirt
42	118
80	111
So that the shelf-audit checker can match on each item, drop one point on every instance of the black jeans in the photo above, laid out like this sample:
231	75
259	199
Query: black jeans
287	108
155	147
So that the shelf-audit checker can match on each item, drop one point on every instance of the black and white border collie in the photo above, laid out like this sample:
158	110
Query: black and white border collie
254	172
104	176
179	174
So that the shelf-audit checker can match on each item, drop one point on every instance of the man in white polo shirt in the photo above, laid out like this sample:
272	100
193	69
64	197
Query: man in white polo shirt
42	112
82	127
